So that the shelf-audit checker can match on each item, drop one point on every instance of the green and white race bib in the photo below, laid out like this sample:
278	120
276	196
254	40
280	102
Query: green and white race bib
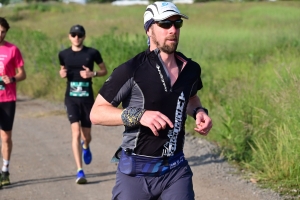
2	84
79	89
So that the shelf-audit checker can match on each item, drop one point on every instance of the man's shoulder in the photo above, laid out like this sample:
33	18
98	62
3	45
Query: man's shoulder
65	51
90	49
130	66
10	45
137	59
181	55
189	60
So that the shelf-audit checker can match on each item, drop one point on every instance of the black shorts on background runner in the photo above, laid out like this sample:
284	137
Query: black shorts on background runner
79	111
7	115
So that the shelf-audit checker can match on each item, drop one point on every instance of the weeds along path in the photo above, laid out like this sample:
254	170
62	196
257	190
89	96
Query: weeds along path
42	165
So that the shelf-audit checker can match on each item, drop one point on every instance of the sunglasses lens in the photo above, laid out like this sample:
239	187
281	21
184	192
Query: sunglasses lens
166	24
77	34
178	23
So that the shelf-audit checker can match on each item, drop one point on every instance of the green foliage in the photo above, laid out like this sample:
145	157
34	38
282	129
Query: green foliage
251	86
4	2
35	7
278	162
39	7
116	49
99	1
41	56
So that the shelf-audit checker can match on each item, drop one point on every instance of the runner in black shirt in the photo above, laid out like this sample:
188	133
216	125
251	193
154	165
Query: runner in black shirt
157	89
77	65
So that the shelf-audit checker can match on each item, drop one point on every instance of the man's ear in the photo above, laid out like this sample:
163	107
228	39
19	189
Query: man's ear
149	32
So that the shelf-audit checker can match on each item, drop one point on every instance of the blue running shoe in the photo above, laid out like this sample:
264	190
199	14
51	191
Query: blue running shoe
81	177
86	154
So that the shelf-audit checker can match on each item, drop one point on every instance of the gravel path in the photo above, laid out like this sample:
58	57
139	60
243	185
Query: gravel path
42	165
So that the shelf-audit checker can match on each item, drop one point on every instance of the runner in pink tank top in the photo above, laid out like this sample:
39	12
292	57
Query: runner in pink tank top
11	71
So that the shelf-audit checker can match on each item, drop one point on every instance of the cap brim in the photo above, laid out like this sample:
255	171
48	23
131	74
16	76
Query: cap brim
77	32
166	15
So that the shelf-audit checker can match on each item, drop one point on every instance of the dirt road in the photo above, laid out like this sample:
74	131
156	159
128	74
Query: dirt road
42	165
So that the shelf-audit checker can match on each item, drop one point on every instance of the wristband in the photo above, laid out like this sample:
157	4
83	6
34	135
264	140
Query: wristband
13	79
196	109
95	73
131	116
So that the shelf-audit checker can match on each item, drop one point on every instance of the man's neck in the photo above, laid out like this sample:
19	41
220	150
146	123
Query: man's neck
168	59
77	48
2	43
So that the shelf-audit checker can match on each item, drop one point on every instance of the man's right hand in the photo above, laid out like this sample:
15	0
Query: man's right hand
155	121
63	72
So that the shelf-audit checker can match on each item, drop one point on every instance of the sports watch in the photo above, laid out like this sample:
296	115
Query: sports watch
13	79
196	109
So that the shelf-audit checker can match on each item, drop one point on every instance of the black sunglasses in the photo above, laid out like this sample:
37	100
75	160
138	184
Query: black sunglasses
166	24
79	35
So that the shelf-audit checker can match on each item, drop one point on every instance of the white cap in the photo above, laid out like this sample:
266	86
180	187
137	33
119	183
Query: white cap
161	10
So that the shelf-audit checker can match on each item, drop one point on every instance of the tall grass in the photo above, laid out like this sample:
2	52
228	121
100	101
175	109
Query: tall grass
249	54
251	72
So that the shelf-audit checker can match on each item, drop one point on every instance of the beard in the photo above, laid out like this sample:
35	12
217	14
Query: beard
168	49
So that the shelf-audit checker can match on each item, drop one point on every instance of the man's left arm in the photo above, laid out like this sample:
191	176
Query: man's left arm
98	59
102	71
20	76
202	120
87	73
20	70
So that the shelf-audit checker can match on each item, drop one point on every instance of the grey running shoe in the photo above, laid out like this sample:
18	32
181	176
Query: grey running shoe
5	178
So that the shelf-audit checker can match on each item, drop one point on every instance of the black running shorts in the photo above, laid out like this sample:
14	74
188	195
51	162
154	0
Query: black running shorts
79	111
7	115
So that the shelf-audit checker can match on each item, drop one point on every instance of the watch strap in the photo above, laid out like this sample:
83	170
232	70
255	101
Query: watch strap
196	109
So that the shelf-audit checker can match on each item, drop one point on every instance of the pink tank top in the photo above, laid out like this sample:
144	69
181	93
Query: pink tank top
10	59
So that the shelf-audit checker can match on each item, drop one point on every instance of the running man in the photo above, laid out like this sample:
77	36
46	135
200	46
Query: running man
157	89
11	72
77	66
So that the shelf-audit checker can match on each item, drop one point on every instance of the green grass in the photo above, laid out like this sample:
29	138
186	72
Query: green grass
249	54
